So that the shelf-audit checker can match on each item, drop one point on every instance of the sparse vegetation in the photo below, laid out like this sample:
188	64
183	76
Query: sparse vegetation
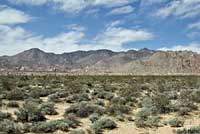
46	104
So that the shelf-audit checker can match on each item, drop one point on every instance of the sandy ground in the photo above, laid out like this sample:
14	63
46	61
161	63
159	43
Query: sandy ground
126	127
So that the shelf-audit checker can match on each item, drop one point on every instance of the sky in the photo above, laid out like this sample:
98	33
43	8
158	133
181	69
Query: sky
70	25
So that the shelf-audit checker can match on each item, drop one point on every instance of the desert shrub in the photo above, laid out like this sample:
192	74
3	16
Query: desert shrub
9	127
153	121
77	132
145	118
15	94
1	103
74	87
33	100
48	108
78	98
54	97
40	92
161	102
50	127
99	102
105	95
30	112
74	122
13	104
7	84
84	109
118	106
176	122
4	116
183	108
43	127
195	96
53	126
102	124
94	117
116	109
193	130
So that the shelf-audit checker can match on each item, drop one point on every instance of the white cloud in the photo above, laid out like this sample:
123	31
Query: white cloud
118	36
180	8
151	2
195	47
12	16
76	27
31	2
122	10
16	39
74	5
195	25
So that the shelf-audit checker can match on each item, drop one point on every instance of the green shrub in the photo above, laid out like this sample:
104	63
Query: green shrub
15	94
144	118
48	108
118	106
77	98
13	104
102	124
43	127
193	130
50	127
104	95
84	109
77	132
94	117
9	127
176	122
54	97
5	116
30	112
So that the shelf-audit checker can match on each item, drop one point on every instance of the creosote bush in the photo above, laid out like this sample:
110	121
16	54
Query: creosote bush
176	122
193	130
13	104
48	108
77	132
9	127
145	118
30	112
5	116
102	124
84	109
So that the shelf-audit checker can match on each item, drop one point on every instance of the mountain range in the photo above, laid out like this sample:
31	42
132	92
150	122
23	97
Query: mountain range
141	62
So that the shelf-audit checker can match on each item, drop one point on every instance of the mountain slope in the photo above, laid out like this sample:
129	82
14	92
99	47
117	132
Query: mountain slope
143	61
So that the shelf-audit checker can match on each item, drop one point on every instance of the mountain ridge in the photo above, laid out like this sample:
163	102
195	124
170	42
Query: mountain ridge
143	61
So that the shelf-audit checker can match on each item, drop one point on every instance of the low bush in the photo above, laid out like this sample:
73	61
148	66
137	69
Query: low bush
193	130
94	117
77	98
5	116
54	97
176	122
30	112
102	124
43	127
48	108
77	132
50	127
118	106
13	104
15	94
105	95
144	118
9	127
84	109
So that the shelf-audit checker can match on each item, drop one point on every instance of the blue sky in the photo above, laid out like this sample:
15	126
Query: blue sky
69	25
